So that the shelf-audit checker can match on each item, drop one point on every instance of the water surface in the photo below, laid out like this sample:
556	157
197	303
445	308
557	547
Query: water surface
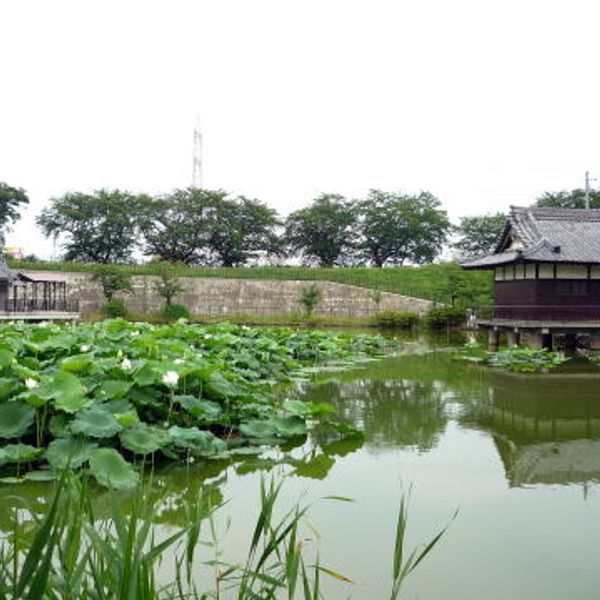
518	455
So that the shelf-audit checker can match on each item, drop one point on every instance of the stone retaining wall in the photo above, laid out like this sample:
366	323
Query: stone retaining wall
216	296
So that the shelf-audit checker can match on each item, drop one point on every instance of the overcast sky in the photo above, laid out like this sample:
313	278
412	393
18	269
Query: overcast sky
483	103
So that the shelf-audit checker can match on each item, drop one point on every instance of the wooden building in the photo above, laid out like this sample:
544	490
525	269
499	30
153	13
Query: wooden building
34	296
546	268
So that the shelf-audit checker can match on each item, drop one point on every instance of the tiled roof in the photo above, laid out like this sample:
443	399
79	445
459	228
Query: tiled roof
565	235
6	274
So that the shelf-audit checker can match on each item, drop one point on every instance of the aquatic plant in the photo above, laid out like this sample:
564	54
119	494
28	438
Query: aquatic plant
77	551
526	360
108	394
519	360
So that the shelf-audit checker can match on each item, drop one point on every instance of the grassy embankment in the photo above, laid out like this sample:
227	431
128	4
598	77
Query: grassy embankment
436	282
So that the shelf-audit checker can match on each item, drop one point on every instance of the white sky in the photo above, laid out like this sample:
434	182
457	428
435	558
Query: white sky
484	103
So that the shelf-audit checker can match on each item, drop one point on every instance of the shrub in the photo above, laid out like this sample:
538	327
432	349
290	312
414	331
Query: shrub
444	317
172	312
309	298
115	308
391	319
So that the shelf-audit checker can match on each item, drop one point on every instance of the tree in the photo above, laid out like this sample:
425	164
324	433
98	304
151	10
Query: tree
478	235
168	285
399	228
324	231
112	280
99	227
242	229
573	199
11	200
195	226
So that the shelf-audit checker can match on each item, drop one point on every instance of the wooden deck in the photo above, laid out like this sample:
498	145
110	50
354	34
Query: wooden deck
37	316
549	326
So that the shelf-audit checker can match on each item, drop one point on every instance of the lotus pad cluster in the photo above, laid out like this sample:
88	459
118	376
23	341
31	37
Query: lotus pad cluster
103	396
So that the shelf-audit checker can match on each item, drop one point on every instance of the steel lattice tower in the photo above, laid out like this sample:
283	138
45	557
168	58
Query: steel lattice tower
197	159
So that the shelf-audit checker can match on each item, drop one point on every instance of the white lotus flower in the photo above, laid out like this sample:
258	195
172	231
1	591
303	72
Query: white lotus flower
84	348
208	336
134	333
179	361
170	378
31	383
126	365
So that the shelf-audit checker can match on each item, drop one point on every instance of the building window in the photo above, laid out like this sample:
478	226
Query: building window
572	288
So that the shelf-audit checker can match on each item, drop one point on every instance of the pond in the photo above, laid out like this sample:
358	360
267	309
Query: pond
517	455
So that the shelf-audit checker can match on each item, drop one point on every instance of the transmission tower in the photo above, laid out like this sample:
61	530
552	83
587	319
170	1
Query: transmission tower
197	159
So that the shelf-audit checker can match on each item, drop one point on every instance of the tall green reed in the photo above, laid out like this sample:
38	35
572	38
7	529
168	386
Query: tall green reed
72	552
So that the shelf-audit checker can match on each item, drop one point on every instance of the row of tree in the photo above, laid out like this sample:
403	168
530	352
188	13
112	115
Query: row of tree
197	226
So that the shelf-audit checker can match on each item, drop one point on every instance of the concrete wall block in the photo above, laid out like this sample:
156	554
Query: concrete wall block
216	296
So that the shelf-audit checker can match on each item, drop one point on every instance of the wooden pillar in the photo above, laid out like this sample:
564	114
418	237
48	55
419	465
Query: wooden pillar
532	339
512	338
595	340
493	339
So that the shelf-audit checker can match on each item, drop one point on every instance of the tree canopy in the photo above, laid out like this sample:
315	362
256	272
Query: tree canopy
11	201
242	229
176	227
564	199
196	226
399	228
99	227
478	235
324	231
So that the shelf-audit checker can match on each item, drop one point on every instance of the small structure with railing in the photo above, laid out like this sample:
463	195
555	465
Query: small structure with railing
546	268
34	297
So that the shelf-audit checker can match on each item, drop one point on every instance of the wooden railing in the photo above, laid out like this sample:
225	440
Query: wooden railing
40	305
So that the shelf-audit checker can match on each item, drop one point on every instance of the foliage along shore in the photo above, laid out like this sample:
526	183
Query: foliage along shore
113	393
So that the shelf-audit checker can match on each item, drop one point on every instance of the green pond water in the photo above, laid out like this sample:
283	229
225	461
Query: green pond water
518	455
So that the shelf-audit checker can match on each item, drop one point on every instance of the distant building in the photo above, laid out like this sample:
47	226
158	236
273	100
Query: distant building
14	252
34	296
546	268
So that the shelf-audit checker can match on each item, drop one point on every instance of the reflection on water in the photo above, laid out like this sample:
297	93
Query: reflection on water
513	451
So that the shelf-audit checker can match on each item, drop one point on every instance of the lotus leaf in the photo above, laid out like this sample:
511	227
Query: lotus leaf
111	470
77	363
15	419
144	439
127	418
66	390
7	387
19	453
259	429
95	422
199	408
113	388
146	375
60	425
6	357
290	426
40	476
69	452
198	441
219	388
296	407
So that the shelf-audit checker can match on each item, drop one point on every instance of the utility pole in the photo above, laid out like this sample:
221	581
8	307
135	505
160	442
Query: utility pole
587	189
197	158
